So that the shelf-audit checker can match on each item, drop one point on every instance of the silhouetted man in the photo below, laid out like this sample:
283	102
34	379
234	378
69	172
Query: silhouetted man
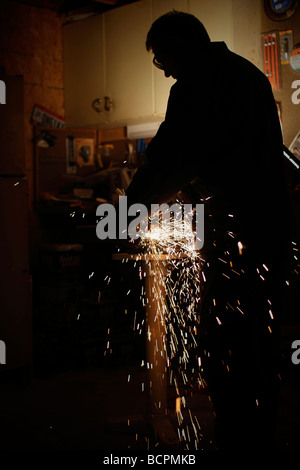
221	143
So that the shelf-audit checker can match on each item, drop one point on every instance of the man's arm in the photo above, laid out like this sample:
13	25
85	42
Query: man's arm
153	184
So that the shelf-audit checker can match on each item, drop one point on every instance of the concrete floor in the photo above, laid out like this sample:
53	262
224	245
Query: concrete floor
104	410
99	409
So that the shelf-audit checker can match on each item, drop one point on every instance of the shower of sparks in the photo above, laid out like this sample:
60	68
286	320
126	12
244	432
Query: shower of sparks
177	271
175	265
178	280
176	287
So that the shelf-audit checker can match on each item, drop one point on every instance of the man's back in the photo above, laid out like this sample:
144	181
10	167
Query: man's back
222	126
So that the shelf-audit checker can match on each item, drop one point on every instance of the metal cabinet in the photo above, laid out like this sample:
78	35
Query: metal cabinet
105	56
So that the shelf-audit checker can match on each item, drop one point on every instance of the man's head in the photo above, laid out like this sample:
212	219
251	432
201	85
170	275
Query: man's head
175	40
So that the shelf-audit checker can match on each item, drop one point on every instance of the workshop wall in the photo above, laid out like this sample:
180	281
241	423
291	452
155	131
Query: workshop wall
31	45
290	111
246	29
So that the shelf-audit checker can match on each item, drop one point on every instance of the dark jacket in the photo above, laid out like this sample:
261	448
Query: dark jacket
222	127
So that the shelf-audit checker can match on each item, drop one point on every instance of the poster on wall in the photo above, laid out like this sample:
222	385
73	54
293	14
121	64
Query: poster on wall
46	118
295	58
295	146
84	148
286	45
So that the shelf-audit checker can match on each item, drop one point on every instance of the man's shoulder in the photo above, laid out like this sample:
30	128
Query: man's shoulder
236	69
236	62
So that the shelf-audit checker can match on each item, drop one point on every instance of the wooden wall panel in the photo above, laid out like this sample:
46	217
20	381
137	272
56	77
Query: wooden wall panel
290	111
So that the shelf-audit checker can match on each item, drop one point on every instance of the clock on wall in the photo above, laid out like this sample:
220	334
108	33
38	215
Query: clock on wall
279	10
